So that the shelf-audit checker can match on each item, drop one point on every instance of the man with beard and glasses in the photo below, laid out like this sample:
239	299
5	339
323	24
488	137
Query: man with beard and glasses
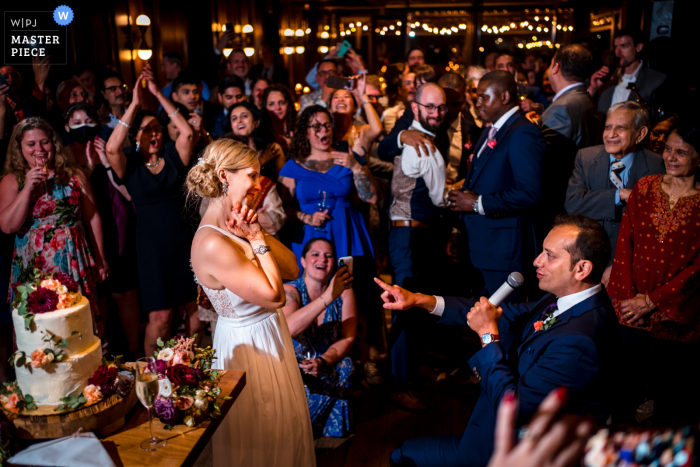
415	249
114	92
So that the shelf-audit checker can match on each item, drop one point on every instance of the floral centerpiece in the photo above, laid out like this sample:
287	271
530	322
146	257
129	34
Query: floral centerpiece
188	387
45	293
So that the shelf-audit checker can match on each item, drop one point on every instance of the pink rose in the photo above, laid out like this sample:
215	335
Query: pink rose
184	358
51	284
491	143
92	393
184	402
12	401
468	145
39	358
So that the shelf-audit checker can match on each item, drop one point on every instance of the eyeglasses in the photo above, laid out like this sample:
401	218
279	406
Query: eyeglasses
317	127
431	108
326	73
123	87
152	129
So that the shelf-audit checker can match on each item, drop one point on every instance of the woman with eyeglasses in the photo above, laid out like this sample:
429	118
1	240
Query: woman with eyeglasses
154	174
344	105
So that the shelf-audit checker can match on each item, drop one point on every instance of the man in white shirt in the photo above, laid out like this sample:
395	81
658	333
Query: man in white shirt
628	46
568	339
416	245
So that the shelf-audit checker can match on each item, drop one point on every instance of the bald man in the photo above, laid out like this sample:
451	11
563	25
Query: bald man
415	246
503	186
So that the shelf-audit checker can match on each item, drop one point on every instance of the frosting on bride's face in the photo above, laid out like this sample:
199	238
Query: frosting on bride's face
243	184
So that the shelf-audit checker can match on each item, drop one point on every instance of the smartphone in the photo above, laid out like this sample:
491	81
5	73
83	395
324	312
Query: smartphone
347	262
338	82
343	49
342	146
642	447
229	27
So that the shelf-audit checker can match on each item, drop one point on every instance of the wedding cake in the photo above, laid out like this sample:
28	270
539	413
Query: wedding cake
57	351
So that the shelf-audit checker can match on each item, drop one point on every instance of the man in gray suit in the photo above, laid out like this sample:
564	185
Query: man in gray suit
604	175
628	46
570	123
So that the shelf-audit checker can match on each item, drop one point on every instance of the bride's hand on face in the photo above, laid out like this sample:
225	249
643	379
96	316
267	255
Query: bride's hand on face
244	222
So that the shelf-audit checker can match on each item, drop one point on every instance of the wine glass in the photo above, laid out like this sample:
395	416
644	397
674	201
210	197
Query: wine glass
322	206
42	160
305	351
147	390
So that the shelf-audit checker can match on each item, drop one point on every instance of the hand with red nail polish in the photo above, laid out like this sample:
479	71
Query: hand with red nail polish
547	441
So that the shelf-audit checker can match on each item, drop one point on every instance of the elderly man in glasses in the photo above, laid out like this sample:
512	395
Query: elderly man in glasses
115	104
415	246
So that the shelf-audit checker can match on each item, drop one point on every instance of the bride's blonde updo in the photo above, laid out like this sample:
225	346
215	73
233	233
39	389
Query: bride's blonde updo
202	179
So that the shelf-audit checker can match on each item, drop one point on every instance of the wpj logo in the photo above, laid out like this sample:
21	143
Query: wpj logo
31	35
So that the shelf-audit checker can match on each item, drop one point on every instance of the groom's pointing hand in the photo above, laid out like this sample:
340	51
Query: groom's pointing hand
395	297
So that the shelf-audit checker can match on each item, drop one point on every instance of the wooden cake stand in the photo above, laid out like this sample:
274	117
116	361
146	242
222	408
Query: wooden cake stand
103	417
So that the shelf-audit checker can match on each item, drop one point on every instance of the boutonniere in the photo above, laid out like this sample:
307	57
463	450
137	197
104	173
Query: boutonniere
546	324
491	143
468	145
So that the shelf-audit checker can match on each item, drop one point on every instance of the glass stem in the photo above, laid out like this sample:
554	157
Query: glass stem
150	426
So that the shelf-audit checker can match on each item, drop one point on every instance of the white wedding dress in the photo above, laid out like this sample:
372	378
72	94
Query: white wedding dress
269	424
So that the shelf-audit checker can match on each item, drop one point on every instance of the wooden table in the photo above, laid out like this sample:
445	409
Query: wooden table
185	444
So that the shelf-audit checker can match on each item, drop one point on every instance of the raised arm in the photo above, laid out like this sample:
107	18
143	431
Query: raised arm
185	141
369	133
113	148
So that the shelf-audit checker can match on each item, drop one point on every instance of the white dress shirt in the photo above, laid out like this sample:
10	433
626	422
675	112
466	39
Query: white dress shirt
621	92
499	123
563	303
430	167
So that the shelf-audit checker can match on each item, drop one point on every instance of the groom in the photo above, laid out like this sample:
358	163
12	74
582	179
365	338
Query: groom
567	339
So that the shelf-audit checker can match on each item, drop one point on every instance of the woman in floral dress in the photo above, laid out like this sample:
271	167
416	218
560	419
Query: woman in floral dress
55	229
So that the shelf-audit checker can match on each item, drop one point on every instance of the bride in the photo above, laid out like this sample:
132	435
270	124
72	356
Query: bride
241	267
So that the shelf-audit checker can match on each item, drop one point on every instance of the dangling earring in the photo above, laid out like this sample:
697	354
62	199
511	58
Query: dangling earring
224	188
138	146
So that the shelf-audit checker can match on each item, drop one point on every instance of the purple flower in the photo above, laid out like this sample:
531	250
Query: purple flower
165	410
160	367
199	374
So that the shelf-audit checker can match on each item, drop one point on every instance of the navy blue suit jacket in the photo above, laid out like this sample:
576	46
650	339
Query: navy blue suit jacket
509	179
577	352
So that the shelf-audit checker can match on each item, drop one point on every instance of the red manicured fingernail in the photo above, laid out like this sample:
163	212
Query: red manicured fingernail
562	393
509	396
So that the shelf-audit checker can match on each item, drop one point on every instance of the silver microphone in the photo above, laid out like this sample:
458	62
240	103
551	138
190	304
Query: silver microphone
515	280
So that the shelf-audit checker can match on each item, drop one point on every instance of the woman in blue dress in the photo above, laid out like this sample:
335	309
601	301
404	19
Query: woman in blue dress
324	183
322	318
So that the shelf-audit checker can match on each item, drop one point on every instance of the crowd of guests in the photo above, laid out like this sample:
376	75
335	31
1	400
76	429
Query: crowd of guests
447	181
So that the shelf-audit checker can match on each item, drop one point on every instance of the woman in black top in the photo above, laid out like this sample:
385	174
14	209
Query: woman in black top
153	174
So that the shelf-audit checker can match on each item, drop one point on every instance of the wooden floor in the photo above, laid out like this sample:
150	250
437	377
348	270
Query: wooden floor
380	426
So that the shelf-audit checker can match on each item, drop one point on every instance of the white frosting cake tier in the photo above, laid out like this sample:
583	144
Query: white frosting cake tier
61	323
49	383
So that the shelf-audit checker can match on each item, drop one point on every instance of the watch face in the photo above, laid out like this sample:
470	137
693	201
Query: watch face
486	338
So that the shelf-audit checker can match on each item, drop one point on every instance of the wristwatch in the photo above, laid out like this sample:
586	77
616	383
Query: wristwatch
489	338
261	250
475	207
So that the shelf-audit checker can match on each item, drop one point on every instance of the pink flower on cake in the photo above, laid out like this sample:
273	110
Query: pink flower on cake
183	402
92	393
39	358
11	401
42	301
51	284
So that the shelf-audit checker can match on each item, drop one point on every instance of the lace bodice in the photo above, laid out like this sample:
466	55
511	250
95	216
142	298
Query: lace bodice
226	303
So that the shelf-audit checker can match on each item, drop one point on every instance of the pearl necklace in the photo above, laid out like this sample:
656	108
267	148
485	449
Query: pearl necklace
153	165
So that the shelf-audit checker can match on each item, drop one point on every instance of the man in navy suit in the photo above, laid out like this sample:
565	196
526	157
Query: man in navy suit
567	339
503	185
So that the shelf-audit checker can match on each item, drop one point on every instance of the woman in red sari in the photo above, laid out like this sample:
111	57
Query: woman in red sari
654	281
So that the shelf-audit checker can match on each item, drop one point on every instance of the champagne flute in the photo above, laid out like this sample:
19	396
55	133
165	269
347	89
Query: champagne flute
42	160
322	207
147	390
